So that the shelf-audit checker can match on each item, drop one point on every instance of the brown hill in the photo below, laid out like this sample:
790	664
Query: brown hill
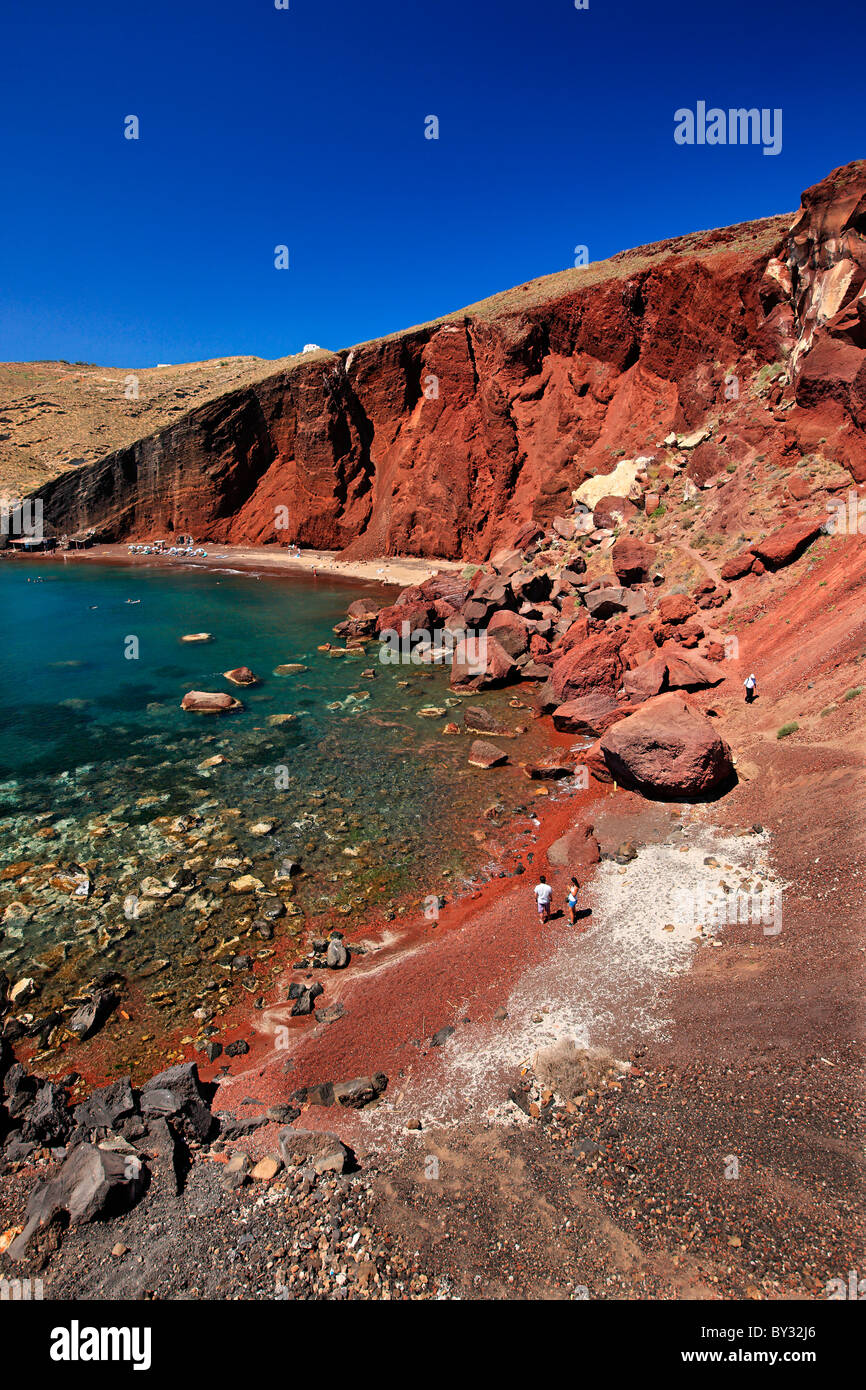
447	438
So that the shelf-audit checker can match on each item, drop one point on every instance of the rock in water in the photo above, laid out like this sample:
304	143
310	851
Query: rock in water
241	675
667	750
90	1016
486	755
209	702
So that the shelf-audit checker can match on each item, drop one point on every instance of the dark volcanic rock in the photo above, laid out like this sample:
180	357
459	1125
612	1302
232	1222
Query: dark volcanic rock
179	1096
92	1183
89	1018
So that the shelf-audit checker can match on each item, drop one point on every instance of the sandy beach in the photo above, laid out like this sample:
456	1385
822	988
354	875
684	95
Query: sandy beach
396	570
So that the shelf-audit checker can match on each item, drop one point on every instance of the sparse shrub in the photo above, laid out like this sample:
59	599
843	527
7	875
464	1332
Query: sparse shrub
853	692
787	729
731	468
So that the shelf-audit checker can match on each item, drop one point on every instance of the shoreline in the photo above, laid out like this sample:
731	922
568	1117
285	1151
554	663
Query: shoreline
390	571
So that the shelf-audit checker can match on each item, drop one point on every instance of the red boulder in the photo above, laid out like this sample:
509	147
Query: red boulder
667	750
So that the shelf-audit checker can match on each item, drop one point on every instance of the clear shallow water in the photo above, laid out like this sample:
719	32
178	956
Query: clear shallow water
102	772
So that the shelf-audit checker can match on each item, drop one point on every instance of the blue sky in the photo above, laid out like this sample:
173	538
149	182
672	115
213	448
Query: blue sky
305	127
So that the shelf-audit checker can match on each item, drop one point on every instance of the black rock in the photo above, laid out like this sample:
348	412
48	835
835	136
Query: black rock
360	1091
105	1106
180	1096
295	990
184	878
264	929
91	1183
19	1090
212	1050
238	1048
89	1018
230	1128
169	1160
520	1098
442	1036
283	1114
273	909
242	963
47	1120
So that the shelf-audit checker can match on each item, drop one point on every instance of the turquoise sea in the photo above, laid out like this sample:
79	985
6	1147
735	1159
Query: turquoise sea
133	842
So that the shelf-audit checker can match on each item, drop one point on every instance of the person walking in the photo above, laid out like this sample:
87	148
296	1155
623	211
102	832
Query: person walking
571	901
543	896
751	689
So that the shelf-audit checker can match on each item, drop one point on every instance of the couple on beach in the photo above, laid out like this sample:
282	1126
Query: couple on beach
544	897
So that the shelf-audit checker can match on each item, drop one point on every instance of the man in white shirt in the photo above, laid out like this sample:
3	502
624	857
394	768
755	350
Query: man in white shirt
751	688
543	895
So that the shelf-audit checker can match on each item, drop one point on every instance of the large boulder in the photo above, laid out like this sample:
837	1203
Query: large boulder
667	750
674	669
363	608
676	608
611	512
738	565
489	594
479	663
591	662
511	632
591	715
687	671
632	560
418	617
606	603
507	562
646	680
91	1183
784	545
178	1095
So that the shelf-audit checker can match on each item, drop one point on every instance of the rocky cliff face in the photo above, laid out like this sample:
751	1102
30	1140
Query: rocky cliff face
446	439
